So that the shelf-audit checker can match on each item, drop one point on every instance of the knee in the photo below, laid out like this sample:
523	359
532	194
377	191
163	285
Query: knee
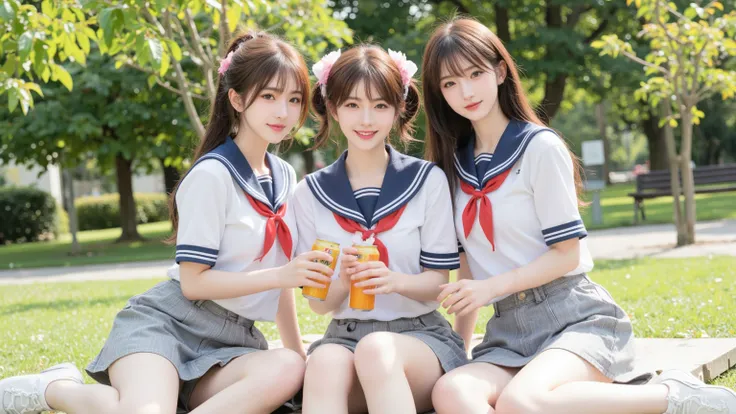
515	400
286	369
451	392
327	361
376	355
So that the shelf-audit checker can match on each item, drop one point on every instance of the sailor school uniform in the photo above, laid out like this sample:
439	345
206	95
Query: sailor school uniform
510	207
229	220
410	220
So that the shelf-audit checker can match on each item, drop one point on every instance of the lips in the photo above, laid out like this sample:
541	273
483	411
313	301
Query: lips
366	134
473	106
277	127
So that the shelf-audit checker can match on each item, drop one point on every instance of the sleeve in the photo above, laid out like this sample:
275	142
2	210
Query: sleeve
304	214
201	202
555	197
437	234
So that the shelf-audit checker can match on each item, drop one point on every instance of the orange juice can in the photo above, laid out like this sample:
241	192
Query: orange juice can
333	249
358	299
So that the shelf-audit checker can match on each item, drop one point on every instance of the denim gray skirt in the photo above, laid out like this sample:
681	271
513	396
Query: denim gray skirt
431	328
571	313
193	335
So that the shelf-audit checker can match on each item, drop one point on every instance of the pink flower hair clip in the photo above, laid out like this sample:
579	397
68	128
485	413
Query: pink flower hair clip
225	63
406	67
322	69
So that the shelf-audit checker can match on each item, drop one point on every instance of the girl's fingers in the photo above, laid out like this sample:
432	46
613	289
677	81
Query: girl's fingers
319	267
453	299
366	274
318	277
460	305
468	309
447	290
374	282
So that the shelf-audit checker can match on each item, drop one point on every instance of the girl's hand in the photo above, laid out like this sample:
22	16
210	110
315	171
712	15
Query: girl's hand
466	295
375	278
348	260
305	270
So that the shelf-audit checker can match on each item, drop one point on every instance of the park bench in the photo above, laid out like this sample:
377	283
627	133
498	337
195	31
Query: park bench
708	179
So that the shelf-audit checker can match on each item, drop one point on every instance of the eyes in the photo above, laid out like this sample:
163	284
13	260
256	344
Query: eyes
473	75
354	105
271	97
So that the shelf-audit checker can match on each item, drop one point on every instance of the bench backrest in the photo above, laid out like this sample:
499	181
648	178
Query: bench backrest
659	180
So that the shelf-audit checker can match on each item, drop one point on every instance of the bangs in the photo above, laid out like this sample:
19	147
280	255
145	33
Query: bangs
453	51
375	77
281	69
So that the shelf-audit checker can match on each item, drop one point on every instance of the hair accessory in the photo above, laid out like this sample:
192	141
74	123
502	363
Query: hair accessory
406	67
225	64
322	69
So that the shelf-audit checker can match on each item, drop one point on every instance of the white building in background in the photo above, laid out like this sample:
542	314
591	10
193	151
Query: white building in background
23	176
50	181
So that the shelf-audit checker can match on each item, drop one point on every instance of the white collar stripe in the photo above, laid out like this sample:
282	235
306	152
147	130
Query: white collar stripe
408	193
253	192
335	206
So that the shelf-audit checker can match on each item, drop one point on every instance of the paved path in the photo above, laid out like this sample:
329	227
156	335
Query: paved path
714	238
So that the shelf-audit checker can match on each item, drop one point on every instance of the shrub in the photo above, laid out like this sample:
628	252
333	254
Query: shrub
27	213
103	212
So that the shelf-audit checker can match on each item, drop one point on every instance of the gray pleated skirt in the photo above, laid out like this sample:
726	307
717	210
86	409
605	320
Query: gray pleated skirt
194	335
432	329
571	313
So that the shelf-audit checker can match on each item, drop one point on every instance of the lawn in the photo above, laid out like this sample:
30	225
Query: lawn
668	298
618	207
98	246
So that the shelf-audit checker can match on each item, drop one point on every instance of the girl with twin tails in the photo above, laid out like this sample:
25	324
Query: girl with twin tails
557	341
386	359
190	341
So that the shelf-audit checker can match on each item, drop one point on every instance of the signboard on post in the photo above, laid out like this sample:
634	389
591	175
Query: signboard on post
593	160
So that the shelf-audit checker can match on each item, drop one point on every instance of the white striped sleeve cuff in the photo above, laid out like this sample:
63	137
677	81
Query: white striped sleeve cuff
196	254
563	232
448	261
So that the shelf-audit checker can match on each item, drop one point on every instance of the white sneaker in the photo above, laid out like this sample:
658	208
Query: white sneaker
689	395
27	394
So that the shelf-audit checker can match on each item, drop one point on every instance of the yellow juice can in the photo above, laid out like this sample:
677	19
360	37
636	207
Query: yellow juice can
358	299
333	249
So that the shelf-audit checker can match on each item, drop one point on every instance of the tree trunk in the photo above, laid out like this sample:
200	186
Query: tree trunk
600	114
688	182
554	85
658	158
171	177
674	178
71	209
128	220
502	23
308	157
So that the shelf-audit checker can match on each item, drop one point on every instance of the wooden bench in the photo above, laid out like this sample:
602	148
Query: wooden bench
708	179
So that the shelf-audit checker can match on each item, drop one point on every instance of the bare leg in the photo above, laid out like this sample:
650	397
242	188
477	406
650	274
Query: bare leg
330	383
558	381
258	382
397	372
142	383
472	389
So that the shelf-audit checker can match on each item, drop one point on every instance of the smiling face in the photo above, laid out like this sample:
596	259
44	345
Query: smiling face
365	118
274	112
473	94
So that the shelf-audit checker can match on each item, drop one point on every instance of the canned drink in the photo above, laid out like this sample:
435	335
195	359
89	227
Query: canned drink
358	299
333	249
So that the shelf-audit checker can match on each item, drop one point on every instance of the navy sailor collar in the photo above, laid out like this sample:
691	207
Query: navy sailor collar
510	148
403	179
233	159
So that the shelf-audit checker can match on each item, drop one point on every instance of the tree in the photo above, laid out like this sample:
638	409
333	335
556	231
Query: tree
683	69
110	117
179	44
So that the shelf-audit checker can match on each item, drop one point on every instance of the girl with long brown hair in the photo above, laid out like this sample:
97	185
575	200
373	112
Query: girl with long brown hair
191	341
385	358
557	340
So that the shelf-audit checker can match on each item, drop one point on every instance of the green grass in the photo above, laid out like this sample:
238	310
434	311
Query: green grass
98	246
618	207
46	323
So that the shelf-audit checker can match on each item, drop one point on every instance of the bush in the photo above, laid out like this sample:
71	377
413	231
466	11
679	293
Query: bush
27	214
103	212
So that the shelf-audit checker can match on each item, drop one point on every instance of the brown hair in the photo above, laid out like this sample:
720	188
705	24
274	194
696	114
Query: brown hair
467	39
372	65
258	58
